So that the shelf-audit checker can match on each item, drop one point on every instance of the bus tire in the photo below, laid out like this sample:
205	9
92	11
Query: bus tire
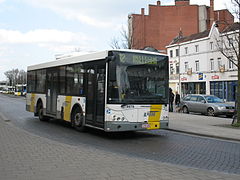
40	113
77	120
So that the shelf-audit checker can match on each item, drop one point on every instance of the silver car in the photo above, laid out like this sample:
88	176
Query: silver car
206	104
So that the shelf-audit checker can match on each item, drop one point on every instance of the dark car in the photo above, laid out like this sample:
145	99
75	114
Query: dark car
206	104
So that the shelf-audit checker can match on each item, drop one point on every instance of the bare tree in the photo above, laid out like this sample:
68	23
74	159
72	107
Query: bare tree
126	40
115	43
15	76
22	78
229	43
10	77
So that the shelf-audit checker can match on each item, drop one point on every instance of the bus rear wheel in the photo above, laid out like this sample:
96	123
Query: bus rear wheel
77	120
40	114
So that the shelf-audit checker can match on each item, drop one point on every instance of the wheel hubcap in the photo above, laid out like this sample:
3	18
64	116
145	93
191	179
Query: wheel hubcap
185	110
78	119
210	112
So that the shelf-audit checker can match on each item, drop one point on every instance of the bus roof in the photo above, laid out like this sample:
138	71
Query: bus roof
84	58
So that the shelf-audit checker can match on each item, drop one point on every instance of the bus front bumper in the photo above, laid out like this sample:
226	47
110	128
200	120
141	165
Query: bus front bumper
111	126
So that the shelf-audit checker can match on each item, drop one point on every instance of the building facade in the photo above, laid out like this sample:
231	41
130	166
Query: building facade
161	25
203	69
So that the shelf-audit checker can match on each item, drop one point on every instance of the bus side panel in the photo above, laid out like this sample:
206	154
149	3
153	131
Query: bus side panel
31	102
66	103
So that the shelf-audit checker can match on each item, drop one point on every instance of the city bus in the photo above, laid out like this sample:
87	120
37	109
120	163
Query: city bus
113	90
20	89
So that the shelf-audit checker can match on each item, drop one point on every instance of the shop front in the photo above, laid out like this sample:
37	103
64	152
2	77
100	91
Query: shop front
226	90
193	88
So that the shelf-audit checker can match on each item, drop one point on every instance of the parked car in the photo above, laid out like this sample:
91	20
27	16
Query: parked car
206	104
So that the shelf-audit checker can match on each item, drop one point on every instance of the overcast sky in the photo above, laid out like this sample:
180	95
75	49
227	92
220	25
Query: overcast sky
34	31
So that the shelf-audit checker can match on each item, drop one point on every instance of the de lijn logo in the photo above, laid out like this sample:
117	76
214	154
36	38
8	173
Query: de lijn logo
200	76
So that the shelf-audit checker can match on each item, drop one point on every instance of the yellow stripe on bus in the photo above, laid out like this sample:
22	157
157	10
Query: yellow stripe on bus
32	102
67	108
154	117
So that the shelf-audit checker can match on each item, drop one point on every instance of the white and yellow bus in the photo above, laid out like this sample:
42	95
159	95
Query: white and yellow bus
20	89
114	90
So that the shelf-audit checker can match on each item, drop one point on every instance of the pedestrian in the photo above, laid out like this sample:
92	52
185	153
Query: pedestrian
171	99
177	102
177	99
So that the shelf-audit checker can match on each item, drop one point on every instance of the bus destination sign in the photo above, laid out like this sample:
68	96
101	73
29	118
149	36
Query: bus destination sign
137	59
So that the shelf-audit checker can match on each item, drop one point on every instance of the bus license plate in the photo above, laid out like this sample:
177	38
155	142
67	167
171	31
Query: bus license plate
145	126
151	113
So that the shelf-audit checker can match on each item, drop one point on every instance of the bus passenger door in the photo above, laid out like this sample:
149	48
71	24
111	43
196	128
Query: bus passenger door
52	91
95	96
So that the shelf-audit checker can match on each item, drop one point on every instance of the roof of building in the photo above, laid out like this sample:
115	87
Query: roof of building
232	27
181	39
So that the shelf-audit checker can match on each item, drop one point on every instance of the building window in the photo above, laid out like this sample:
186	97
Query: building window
212	64
230	64
219	62
211	45
186	50
177	52
197	65
186	66
177	68
197	48
171	69
230	42
171	53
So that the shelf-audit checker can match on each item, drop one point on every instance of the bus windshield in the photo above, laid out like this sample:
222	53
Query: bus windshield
136	78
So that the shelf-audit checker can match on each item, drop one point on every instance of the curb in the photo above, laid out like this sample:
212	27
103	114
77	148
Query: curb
205	135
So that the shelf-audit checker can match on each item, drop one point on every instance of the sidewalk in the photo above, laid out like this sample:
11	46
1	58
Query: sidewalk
217	127
24	156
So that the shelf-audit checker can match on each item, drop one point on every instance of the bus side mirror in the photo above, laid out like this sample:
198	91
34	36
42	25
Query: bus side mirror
110	58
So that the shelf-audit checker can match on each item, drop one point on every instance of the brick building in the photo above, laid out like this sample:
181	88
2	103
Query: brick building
163	23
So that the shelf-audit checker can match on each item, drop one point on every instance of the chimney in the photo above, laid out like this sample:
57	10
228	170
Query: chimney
182	2
211	12
142	11
159	3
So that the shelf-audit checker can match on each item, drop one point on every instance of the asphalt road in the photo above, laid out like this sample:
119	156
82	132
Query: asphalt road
158	145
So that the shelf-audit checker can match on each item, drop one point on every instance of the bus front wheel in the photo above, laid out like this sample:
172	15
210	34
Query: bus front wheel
77	120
